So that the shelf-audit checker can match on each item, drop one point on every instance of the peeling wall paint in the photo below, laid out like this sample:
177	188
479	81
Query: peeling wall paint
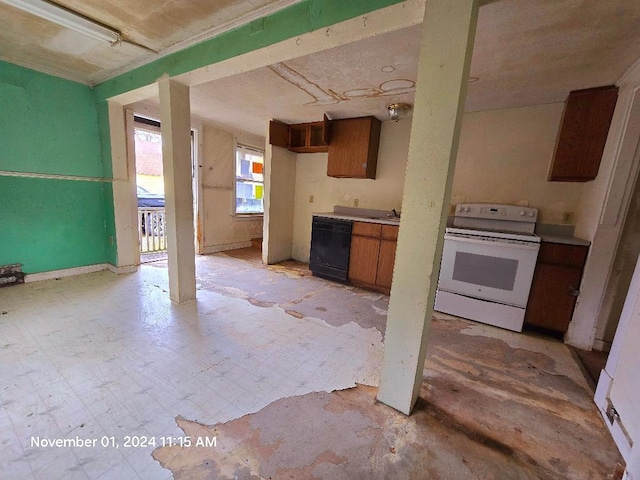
48	126
220	229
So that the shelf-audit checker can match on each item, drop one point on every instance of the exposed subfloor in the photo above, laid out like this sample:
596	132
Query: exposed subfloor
593	363
251	362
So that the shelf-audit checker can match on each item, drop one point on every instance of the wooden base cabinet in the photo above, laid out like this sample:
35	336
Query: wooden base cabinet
372	256
555	286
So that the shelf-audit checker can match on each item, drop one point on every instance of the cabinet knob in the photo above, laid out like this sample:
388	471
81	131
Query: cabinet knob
573	291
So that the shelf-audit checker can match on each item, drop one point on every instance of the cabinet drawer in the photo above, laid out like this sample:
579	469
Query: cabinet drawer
389	232
561	254
366	229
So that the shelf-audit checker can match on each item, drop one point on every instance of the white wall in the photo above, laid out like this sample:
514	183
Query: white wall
385	192
618	385
504	157
279	195
620	275
221	229
605	202
625	393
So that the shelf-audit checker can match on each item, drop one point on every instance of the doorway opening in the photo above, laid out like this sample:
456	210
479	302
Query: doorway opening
152	232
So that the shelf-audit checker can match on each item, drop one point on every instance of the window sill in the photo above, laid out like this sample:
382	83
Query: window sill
247	217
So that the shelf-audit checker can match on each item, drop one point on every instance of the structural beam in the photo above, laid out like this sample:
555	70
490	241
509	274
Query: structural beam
125	208
448	33
279	196
175	119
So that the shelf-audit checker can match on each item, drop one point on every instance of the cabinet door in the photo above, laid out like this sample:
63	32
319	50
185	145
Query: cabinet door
552	298
583	133
353	151
386	260
389	232
363	260
278	134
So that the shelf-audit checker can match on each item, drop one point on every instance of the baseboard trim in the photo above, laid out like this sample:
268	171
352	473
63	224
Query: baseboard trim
67	272
122	270
601	346
225	246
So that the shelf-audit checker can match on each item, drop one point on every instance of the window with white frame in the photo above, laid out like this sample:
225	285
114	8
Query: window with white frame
249	180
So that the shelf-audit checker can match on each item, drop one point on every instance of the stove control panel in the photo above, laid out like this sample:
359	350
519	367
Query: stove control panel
512	213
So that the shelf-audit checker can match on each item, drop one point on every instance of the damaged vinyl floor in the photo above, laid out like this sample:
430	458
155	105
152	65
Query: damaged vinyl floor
279	370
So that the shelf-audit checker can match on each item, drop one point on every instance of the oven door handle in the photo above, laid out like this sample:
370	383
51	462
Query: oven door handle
479	241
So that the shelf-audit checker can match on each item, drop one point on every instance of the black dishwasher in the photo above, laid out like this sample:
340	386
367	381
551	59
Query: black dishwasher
330	244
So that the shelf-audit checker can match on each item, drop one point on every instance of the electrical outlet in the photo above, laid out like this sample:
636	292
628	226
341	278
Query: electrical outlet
568	217
356	202
310	198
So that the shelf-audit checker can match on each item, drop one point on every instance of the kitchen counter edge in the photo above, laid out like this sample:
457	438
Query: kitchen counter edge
567	240
356	218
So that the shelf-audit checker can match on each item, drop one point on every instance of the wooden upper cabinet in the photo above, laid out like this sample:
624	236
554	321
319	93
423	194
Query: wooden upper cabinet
301	137
583	134
353	150
278	134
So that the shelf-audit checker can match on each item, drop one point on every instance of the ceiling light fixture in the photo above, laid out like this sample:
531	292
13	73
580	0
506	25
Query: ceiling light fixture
67	18
398	110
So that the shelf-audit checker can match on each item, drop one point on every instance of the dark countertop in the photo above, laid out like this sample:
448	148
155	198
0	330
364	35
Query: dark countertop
356	218
566	239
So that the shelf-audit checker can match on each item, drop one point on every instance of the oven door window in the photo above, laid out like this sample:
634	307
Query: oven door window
492	271
485	270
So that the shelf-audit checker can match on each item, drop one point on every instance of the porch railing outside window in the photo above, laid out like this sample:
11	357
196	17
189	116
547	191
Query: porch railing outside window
152	231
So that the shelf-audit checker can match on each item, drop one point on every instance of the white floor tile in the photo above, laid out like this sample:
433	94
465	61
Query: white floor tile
104	355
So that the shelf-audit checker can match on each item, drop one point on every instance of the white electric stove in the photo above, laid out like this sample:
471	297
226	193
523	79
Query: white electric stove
488	262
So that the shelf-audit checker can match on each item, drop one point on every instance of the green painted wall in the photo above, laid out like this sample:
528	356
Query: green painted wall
51	224
49	126
54	126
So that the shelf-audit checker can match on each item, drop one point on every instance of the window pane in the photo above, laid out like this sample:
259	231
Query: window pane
249	197
249	180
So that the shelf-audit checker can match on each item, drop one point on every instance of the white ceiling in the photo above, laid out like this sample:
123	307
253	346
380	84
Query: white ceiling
526	52
148	27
